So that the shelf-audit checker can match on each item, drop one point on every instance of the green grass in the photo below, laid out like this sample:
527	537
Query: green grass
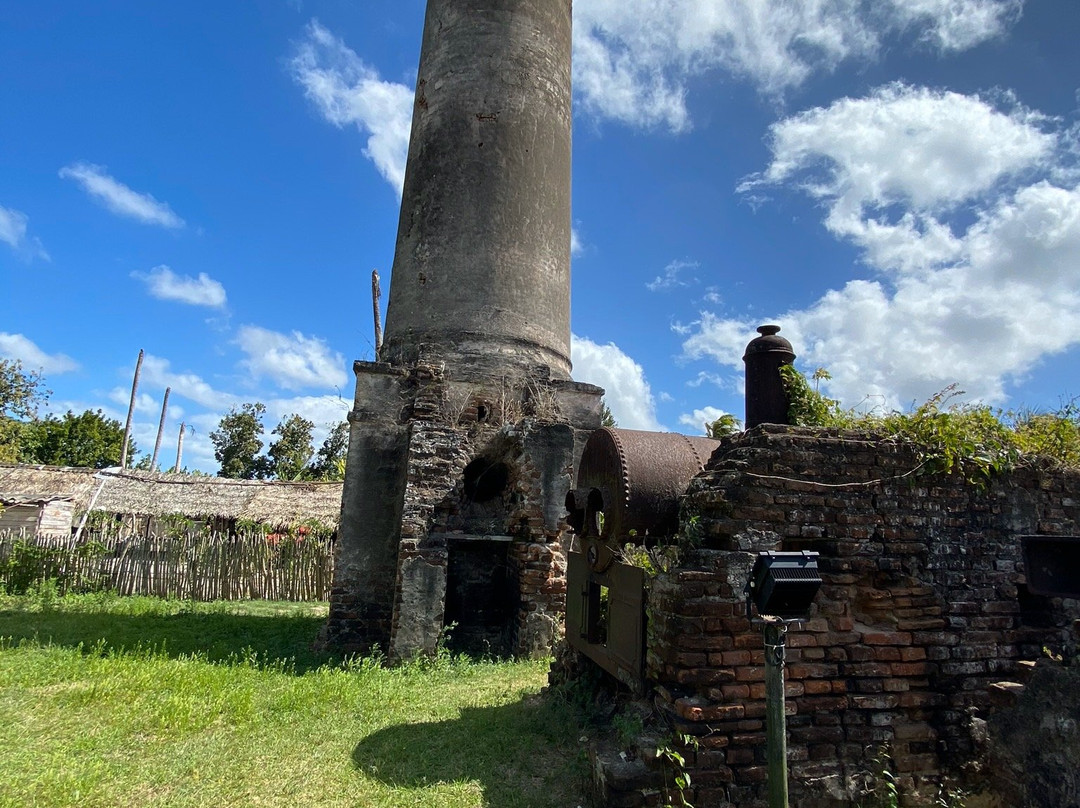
108	701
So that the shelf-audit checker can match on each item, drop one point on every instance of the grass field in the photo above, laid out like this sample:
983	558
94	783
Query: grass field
108	701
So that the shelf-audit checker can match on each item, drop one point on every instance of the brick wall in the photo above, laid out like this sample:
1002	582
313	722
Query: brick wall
923	607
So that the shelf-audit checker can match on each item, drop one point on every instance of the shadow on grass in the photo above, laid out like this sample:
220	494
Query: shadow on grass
523	755
219	638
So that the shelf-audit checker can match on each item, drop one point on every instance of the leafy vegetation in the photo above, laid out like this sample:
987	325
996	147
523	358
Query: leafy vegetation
726	424
289	454
90	440
238	442
329	463
21	393
973	440
136	701
606	417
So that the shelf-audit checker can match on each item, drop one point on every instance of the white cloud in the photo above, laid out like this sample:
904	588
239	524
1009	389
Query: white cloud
698	419
145	403
13	232
347	91
673	276
323	411
953	25
576	247
12	227
120	199
157	373
925	150
980	250
16	346
291	360
627	393
633	59
164	284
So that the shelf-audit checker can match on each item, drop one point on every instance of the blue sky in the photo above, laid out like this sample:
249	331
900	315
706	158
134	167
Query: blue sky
894	182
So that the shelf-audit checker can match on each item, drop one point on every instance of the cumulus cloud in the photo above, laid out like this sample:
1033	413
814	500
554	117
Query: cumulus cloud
13	232
145	403
926	151
347	91
977	247
627	393
119	198
19	347
164	284
633	59
291	360
157	372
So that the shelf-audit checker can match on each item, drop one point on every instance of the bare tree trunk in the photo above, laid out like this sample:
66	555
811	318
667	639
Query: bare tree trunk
131	412
376	294
179	448
160	429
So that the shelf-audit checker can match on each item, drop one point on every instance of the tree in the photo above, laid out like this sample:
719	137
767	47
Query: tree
89	440
237	443
21	393
606	418
290	453
329	463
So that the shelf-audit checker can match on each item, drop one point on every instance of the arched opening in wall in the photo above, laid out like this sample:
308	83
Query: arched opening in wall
482	592
485	479
481	596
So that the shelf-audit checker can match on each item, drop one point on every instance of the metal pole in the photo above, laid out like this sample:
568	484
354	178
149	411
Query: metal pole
775	719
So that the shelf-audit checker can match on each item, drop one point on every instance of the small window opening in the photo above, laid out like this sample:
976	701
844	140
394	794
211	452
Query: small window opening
597	613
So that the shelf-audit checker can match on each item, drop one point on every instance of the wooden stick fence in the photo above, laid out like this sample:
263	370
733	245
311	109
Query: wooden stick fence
191	565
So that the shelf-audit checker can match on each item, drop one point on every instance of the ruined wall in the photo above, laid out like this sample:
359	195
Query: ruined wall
452	485
924	606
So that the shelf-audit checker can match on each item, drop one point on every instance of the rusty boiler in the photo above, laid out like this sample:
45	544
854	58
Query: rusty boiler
628	489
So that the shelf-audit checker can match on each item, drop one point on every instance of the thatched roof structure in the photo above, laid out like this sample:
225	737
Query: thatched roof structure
146	493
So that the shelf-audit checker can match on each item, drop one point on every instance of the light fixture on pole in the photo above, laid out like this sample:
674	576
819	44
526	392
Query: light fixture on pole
781	587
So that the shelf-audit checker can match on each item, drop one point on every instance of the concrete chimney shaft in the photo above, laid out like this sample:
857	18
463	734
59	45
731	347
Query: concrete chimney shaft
481	275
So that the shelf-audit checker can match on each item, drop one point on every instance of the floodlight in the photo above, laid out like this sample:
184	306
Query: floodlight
783	584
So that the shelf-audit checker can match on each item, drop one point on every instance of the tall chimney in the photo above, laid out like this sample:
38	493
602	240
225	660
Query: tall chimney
481	274
475	361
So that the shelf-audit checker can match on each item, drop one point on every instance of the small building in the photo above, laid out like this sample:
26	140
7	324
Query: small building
51	500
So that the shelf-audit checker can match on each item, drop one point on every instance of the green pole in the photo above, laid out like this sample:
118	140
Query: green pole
775	720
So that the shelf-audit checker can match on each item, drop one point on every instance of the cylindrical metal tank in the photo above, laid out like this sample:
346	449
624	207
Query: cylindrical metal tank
629	483
766	401
481	275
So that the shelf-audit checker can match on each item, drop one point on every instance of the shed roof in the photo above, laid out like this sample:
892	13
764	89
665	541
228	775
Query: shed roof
160	494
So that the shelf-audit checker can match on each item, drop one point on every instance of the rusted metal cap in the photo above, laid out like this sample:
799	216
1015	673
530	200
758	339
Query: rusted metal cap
769	342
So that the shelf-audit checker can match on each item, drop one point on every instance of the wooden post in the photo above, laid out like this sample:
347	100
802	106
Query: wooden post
179	448
160	429
775	719
376	294
131	412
